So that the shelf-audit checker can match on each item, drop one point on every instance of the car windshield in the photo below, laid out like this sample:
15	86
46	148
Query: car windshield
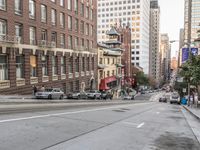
48	90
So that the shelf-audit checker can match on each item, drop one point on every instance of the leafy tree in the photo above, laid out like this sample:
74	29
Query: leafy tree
141	78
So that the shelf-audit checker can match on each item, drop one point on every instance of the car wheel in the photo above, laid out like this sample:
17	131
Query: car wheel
79	97
50	97
61	96
94	96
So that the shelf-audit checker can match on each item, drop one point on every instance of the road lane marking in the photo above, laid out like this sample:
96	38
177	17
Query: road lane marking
140	125
130	123
65	113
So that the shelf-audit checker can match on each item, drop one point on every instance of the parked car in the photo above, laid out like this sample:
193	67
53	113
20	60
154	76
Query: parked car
142	92
51	93
128	97
174	98
94	94
163	99
106	95
79	95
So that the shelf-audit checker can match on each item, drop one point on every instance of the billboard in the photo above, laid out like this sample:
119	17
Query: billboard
185	54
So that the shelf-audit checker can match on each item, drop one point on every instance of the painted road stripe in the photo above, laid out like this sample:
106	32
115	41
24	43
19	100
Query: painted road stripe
140	125
66	113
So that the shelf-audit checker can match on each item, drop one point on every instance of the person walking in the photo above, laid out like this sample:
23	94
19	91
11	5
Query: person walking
42	88
34	90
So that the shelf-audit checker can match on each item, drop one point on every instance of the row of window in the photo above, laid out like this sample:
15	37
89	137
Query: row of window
118	8
44	34
18	6
20	70
120	2
104	74
109	61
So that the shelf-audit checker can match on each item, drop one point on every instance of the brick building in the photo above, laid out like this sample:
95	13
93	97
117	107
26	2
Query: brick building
47	42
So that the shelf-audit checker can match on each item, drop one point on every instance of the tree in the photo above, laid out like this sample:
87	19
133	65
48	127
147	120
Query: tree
141	78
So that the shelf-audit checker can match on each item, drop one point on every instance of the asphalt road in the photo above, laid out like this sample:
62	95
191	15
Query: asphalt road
139	125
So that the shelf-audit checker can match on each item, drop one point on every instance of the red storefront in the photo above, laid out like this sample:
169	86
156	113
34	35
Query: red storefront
108	83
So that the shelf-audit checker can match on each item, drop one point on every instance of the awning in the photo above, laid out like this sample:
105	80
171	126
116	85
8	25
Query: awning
103	85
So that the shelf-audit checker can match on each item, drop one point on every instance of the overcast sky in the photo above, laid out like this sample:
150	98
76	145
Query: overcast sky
172	19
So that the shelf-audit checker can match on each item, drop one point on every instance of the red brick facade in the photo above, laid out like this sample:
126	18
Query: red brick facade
68	81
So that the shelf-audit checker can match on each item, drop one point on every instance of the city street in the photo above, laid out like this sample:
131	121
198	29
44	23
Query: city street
131	125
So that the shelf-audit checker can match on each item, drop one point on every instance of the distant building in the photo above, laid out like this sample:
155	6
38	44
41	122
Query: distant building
136	12
174	63
50	43
181	38
165	50
109	63
154	40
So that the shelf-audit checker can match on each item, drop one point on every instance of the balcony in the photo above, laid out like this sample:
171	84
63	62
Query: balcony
55	77
20	82
10	39
4	84
76	74
34	80
63	76
82	73
70	75
45	79
87	73
46	44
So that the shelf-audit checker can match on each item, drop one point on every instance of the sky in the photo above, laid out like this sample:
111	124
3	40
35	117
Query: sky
172	19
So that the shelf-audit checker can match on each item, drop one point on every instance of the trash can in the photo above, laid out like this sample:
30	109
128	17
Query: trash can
184	101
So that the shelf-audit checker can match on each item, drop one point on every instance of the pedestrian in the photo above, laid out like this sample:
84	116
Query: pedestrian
34	90
191	100
42	88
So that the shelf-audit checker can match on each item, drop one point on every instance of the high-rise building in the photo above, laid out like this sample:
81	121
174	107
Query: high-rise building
181	38
154	40
50	43
136	12
191	20
165	50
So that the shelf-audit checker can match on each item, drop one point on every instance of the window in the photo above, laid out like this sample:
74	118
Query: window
76	42
87	29
92	63
77	64
82	27
2	28
54	37
32	36
69	4
18	7
70	66
3	4
63	68
69	22
91	14
32	9
43	13
33	65
54	65
3	67
82	9
76	25
19	67
108	61
70	42
44	35
91	30
83	63
87	12
62	20
61	2
77	85
87	44
82	42
76	6
53	16
44	65
88	63
62	40
18	31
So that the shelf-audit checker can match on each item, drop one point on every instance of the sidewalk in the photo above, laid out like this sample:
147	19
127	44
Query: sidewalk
194	111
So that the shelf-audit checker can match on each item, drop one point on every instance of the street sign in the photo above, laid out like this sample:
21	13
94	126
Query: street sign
184	90
194	51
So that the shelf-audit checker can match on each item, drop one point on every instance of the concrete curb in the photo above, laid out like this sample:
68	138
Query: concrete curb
193	114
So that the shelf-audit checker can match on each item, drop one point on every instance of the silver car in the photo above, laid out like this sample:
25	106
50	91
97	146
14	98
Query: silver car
94	94
52	93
